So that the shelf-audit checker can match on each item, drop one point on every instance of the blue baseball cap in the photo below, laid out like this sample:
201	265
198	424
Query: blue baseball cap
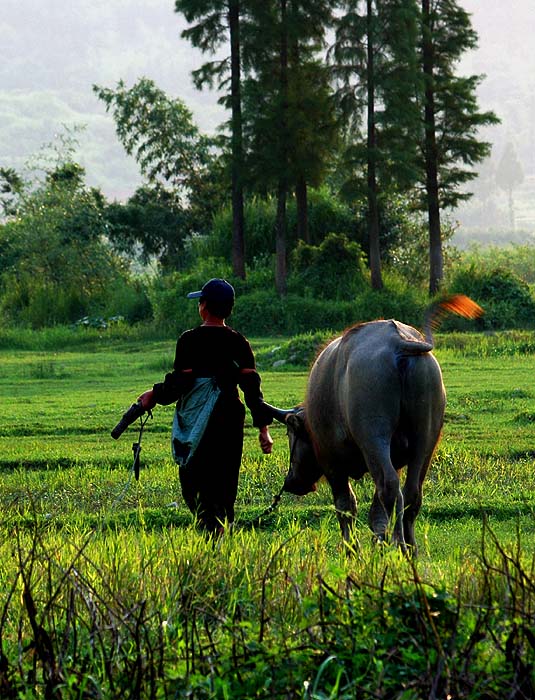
215	290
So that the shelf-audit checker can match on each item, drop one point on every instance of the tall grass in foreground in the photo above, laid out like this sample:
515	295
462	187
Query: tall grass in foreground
168	615
108	591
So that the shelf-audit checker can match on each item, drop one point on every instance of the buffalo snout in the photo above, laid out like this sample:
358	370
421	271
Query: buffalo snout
298	486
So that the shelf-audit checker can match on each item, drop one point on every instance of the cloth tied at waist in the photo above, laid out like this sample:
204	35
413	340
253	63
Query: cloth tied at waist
192	414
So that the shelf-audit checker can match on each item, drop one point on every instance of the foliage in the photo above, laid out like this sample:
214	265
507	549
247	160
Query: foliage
263	312
109	591
168	293
158	131
326	214
332	270
517	258
456	115
259	223
386	74
374	63
129	299
297	352
11	187
152	222
259	310
289	121
171	151
406	248
55	266
505	298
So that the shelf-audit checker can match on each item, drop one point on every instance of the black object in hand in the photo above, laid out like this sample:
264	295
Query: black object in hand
134	412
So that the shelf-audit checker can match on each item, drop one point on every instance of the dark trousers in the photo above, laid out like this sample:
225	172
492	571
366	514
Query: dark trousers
209	482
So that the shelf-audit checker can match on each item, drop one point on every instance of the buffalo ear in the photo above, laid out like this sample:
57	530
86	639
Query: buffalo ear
296	421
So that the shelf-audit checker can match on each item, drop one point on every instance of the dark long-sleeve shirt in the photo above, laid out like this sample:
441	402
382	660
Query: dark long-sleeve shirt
220	352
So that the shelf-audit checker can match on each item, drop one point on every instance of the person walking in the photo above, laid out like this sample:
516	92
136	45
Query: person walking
211	362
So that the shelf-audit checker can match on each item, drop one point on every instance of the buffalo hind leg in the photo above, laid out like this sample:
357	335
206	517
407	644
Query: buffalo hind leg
412	492
346	506
387	505
380	522
386	510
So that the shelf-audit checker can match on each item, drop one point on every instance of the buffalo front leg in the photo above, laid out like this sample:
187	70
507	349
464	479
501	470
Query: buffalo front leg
345	504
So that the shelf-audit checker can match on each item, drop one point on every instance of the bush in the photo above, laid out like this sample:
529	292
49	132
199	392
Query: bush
57	265
325	214
260	311
259	224
296	353
332	270
129	299
519	259
263	312
505	298
168	293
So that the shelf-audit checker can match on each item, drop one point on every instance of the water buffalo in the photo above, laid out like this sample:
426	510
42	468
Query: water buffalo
374	403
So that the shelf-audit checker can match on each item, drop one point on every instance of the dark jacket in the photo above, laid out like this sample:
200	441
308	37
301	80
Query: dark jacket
220	352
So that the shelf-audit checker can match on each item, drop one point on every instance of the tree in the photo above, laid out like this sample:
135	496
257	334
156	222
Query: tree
215	23
314	133
11	188
55	266
374	64
172	153
149	226
289	121
451	118
509	175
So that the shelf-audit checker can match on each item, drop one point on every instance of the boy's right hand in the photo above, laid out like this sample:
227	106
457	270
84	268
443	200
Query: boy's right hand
147	400
265	439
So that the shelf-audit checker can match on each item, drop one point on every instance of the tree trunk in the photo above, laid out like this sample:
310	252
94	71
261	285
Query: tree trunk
301	199
436	263
280	237
238	219
373	210
282	189
511	203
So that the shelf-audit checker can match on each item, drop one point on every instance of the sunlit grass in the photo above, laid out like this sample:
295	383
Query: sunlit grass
106	556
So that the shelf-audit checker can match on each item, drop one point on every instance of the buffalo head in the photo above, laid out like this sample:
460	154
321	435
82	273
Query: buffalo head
304	469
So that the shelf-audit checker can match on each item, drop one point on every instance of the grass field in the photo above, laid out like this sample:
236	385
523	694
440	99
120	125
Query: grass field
110	591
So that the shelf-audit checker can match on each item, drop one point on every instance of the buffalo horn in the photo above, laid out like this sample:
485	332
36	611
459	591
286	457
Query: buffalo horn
279	414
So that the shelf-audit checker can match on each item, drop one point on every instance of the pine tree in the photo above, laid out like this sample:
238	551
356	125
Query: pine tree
451	118
374	63
289	114
214	23
509	175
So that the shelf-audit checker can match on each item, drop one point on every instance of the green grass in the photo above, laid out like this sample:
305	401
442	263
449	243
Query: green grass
126	588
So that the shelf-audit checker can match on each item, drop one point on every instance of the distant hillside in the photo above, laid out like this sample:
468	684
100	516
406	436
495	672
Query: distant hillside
52	52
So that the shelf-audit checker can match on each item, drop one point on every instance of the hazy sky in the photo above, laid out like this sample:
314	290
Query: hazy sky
52	51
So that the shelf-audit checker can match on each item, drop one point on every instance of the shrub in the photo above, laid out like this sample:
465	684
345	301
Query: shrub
129	299
325	214
259	310
168	293
259	223
298	352
519	259
263	312
332	270
505	298
57	266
